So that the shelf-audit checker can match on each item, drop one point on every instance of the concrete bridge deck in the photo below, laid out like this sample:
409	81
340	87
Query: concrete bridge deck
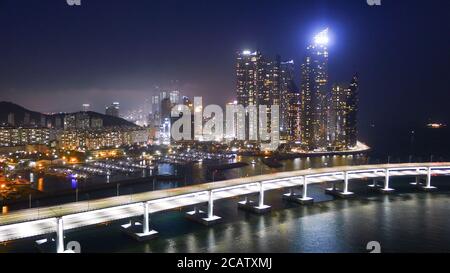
40	221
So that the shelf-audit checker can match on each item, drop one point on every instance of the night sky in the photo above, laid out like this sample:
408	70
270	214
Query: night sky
54	57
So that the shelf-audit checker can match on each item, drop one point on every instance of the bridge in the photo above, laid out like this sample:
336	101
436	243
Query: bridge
53	220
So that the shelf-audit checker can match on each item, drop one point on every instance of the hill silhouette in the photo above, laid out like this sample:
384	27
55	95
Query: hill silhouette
34	118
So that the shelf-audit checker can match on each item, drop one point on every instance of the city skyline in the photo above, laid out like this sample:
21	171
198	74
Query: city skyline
36	78
292	126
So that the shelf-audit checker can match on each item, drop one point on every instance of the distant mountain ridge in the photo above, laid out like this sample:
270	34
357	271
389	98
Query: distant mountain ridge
35	118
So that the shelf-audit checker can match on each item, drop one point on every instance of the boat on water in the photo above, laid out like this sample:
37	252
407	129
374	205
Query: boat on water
436	125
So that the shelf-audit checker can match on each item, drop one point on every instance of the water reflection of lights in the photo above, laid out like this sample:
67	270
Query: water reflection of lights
40	184
171	247
74	183
191	243
211	239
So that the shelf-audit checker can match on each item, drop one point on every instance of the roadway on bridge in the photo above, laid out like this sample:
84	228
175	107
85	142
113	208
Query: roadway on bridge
39	221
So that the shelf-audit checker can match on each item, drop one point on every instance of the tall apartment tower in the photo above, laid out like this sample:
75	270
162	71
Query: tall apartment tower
289	100
343	115
314	84
352	110
250	77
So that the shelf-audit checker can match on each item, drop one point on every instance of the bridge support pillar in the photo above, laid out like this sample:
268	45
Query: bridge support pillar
132	228
428	186
341	194
259	208
51	242
207	218
374	184
416	182
59	235
292	196
304	200
386	188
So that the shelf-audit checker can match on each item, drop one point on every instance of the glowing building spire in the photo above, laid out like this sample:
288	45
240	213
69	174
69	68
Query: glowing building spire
322	37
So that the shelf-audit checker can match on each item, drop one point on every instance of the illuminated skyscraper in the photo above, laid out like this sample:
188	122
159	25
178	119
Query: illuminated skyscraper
314	83
250	77
270	93
289	101
292	115
352	110
343	115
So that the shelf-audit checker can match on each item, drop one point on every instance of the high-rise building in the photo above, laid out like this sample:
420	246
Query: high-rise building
250	77
166	108
270	92
352	110
174	97
314	85
289	101
113	109
292	115
343	115
338	116
259	82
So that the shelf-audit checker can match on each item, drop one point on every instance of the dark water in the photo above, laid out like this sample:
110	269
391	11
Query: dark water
407	221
